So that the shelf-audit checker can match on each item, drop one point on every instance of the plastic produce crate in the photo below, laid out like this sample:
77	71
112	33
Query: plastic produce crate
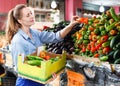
42	74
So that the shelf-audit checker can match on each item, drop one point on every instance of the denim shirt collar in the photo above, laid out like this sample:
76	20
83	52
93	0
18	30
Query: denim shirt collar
21	32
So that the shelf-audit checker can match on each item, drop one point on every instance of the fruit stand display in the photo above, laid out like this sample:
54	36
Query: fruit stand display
95	38
100	38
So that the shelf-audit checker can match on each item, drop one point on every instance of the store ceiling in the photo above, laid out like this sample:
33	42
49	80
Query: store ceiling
104	2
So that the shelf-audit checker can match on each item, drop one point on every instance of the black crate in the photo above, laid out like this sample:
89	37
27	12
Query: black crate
8	81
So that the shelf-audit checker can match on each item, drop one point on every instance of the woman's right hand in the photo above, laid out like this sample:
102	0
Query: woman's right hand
74	20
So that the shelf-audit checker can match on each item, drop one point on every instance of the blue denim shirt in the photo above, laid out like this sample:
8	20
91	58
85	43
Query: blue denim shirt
23	44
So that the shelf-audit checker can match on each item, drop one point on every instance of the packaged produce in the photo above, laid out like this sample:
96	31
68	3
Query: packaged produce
39	68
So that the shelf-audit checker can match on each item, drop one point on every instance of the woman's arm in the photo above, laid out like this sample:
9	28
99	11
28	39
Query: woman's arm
68	28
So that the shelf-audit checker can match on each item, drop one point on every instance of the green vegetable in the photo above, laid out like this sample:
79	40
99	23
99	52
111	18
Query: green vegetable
103	32
104	58
87	52
110	38
113	14
118	28
86	36
105	17
118	46
110	57
79	41
90	22
86	41
34	62
88	32
97	31
111	20
105	44
86	26
106	24
117	61
91	54
115	40
83	32
102	28
111	26
99	24
116	54
31	57
55	58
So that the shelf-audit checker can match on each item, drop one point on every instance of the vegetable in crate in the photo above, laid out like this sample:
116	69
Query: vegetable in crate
55	58
33	62
31	57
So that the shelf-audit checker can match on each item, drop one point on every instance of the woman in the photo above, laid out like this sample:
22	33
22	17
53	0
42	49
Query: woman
25	40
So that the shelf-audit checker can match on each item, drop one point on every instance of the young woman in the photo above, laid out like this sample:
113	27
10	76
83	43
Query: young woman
24	40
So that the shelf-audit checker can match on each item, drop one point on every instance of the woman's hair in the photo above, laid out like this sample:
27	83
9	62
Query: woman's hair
12	24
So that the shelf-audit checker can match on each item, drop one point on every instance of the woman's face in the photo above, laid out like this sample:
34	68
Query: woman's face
27	17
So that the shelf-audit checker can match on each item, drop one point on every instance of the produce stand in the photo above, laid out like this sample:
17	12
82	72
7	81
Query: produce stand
94	45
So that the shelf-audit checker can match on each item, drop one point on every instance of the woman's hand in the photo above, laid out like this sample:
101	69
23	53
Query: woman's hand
74	21
68	28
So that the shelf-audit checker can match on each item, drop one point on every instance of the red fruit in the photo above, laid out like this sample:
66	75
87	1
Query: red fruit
47	57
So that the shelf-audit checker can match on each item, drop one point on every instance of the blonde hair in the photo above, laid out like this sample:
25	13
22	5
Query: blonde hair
12	24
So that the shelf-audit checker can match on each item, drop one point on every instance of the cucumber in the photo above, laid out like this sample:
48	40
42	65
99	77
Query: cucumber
110	38
117	61
118	46
116	54
110	57
38	58
115	40
31	57
34	62
113	14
